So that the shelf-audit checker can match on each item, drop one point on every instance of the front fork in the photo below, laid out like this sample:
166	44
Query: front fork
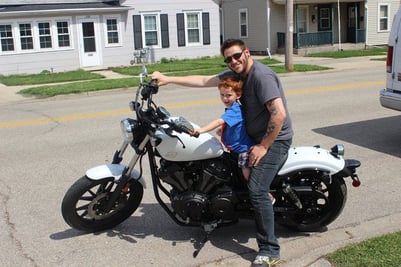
122	182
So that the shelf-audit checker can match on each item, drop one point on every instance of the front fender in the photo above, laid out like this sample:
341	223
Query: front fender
112	170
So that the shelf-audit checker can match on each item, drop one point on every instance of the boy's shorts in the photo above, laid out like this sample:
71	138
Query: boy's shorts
243	160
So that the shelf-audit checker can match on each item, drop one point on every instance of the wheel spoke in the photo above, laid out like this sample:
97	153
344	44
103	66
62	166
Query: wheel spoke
84	207
92	193
86	198
109	187
84	214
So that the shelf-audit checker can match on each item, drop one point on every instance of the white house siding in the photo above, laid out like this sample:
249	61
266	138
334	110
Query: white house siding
258	30
58	60
35	61
38	62
172	8
256	10
120	55
277	24
374	36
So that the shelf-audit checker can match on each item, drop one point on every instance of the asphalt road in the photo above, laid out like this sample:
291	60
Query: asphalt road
46	144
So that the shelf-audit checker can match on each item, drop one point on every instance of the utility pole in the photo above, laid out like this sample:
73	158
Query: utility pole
289	66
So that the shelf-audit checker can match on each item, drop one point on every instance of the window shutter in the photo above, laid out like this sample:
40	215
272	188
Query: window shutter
206	28
137	32
181	29
164	30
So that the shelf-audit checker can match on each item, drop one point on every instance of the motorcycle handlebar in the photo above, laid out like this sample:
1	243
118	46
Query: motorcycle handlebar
182	129
149	89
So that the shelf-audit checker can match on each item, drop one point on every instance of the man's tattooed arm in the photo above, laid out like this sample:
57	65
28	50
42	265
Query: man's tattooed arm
277	118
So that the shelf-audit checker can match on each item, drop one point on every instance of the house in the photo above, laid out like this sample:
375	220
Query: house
62	35
318	24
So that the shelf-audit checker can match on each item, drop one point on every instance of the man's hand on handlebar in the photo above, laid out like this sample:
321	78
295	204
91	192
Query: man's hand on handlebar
161	78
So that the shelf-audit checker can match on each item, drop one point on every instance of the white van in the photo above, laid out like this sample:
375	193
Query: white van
390	97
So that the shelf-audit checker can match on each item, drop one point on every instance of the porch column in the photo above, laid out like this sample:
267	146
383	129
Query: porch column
296	26
332	23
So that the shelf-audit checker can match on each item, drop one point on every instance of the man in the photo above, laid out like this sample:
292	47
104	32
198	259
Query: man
267	123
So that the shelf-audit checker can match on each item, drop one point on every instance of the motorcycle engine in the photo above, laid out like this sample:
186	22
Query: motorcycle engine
200	190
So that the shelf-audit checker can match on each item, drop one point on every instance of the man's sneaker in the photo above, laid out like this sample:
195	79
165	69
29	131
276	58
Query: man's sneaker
265	261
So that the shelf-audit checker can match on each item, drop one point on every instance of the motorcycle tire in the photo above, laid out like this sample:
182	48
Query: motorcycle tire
83	202
324	209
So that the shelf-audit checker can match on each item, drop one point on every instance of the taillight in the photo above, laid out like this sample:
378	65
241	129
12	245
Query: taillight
389	63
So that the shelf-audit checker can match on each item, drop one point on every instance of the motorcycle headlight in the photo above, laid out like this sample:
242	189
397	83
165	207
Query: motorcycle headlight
127	130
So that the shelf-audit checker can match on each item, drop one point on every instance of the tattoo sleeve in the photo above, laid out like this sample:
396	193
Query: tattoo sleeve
273	111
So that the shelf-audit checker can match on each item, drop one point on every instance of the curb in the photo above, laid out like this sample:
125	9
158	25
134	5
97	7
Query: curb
310	251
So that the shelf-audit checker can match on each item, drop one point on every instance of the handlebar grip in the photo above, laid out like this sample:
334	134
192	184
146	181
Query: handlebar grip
196	135
153	83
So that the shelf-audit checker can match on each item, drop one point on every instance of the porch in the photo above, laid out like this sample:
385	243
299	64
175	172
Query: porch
322	41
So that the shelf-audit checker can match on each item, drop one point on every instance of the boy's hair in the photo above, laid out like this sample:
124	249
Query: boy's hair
231	82
231	42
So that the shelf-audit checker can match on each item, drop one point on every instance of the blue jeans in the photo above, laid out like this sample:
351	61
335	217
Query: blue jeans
259	185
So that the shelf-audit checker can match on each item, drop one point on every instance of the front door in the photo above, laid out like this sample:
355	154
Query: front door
90	52
352	22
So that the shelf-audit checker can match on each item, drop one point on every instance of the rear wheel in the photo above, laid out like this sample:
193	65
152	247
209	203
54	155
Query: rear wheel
83	206
322	202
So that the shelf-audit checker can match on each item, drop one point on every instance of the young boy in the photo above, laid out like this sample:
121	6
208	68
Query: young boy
233	132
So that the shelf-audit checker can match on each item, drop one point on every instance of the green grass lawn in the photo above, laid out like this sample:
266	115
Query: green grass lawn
49	77
377	51
83	81
383	251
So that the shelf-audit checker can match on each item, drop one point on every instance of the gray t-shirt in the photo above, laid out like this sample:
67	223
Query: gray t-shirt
260	86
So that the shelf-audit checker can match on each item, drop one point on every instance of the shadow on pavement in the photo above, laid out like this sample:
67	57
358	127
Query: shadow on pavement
152	221
382	135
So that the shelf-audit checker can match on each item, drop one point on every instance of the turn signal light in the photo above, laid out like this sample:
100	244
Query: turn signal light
355	181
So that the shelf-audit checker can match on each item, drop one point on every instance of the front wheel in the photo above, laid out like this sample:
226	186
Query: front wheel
322	202
83	206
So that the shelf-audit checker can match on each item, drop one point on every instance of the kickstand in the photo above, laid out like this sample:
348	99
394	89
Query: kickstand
208	228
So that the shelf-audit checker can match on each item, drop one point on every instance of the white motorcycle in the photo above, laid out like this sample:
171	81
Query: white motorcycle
201	180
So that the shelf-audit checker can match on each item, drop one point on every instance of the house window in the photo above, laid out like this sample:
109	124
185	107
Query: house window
45	38
112	31
384	11
151	30
324	19
193	28
243	22
6	38
34	36
26	39
63	34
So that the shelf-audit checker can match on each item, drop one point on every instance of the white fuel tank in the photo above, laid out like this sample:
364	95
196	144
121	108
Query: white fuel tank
206	146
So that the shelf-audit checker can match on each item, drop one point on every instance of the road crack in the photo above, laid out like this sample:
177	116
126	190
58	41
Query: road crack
10	226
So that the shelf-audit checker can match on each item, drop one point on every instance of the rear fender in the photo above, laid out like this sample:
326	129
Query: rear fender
312	158
112	170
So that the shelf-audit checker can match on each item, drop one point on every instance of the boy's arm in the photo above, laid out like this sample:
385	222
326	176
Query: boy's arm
210	126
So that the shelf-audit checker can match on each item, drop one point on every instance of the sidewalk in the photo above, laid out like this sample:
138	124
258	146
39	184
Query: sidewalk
310	251
9	94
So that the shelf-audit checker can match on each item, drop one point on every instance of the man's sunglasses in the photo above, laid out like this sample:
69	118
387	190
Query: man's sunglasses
236	56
